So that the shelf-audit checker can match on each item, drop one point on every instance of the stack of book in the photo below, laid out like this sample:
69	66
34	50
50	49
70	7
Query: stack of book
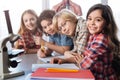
64	73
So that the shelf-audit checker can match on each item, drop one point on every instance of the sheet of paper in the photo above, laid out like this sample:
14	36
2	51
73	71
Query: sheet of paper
15	51
47	59
69	66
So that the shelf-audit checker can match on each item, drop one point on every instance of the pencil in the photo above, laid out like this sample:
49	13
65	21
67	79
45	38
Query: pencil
60	70
42	47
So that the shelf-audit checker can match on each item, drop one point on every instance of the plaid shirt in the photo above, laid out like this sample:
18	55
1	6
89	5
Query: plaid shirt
27	40
81	35
98	57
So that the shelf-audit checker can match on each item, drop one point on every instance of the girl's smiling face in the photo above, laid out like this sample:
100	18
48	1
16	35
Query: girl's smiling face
66	27
48	27
30	21
95	22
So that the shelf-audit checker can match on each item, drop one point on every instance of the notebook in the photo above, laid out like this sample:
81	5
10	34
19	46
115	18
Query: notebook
41	74
69	66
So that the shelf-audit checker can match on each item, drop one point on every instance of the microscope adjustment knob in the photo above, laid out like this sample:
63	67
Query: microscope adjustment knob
13	63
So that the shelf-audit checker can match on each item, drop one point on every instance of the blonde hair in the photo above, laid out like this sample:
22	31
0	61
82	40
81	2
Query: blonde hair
65	14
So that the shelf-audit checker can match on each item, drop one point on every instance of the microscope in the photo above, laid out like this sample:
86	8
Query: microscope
5	61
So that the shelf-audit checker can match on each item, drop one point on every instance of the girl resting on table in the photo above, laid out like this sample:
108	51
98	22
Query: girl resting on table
57	42
29	31
68	24
97	55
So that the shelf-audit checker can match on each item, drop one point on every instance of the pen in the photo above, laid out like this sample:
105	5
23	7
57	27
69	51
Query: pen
60	70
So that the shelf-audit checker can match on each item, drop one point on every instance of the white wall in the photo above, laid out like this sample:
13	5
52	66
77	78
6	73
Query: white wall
116	12
16	7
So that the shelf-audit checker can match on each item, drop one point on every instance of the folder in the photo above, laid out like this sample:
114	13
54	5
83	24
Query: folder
41	74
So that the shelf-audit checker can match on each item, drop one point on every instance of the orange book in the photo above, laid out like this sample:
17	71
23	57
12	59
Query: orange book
42	74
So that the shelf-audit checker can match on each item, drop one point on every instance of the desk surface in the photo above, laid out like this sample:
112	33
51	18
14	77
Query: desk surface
25	65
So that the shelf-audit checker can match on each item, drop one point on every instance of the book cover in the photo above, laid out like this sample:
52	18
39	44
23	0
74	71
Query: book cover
41	74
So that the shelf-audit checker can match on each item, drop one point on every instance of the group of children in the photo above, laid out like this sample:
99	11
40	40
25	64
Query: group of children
88	43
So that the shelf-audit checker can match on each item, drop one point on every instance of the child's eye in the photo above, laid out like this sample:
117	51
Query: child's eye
49	23
44	27
25	20
59	28
64	24
32	19
88	19
98	20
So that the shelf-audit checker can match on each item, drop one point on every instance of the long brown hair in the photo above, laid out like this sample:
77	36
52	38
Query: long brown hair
22	26
110	28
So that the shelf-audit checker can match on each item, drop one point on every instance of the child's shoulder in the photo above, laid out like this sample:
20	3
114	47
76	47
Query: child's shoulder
100	36
80	18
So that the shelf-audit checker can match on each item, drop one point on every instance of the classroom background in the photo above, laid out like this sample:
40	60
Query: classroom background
16	7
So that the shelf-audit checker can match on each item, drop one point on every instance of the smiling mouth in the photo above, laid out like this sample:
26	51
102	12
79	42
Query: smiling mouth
51	32
67	32
92	28
30	26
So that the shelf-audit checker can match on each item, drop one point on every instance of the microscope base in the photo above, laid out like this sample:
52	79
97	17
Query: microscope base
12	74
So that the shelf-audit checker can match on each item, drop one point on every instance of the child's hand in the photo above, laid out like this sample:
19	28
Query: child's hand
41	53
68	54
78	58
37	40
57	61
